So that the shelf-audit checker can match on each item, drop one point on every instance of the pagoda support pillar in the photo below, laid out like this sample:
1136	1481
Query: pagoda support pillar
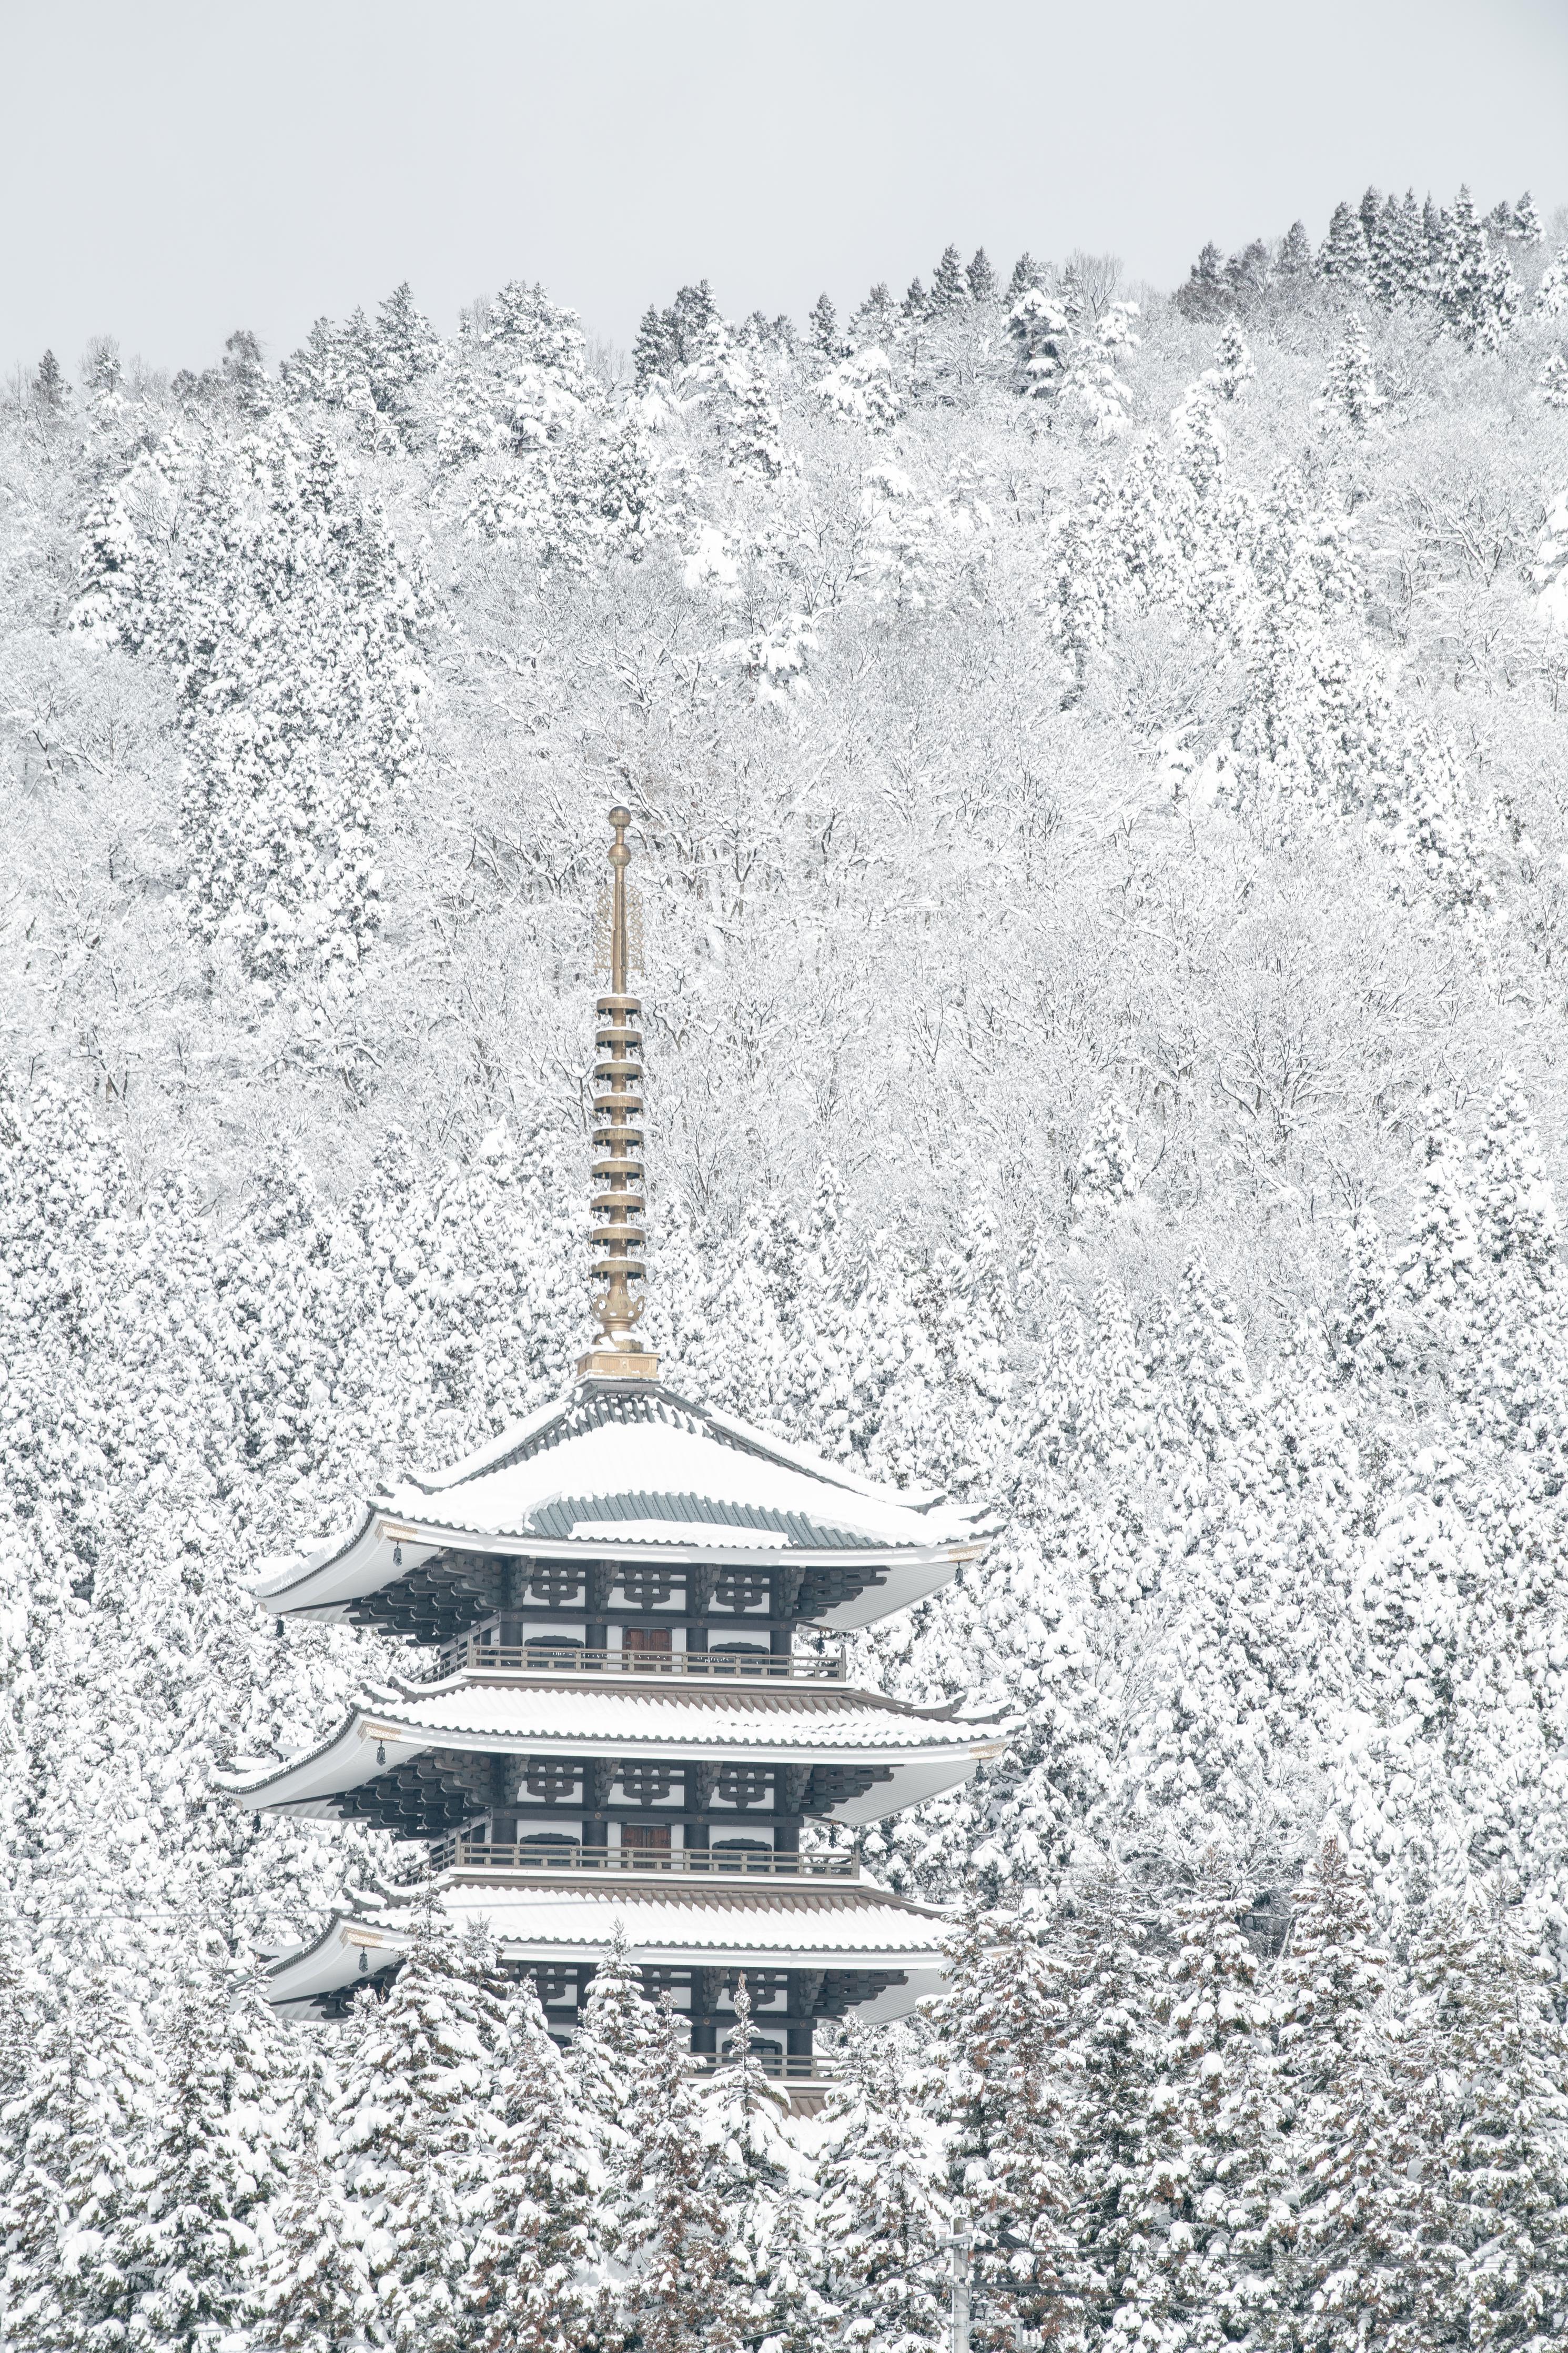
598	1780
707	1985
790	1784
596	1632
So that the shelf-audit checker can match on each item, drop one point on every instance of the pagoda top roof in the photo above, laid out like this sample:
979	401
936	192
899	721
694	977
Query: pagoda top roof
633	1471
858	1925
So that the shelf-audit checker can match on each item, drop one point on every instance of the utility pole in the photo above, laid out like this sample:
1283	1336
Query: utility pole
962	2246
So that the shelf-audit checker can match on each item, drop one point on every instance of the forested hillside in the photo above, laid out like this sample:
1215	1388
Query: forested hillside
1100	767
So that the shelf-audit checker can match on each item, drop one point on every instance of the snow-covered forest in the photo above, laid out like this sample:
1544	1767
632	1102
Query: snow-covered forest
1099	771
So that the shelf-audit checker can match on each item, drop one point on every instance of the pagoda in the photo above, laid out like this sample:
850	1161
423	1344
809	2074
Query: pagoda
635	1714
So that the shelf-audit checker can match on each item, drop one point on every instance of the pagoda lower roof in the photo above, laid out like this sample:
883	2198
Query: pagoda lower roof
634	1472
807	1927
495	1716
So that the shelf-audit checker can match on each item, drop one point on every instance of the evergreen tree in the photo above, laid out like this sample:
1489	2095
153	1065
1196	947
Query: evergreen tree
413	2128
981	278
693	317
1552	381
614	2037
79	2195
318	2290
673	2244
1349	391
1332	1978
875	317
1516	1223
244	373
1552	293
190	2241
1112	2055
1204	295
1433	231
1247	274
884	2217
1473	285
50	390
773	2266
823	325
1483	2075
1525	227
950	287
530	2275
915	305
1213	2163
1041	339
1370	209
1027	274
653	346
1398	252
1343	259
1234	367
1293	263
1001	2024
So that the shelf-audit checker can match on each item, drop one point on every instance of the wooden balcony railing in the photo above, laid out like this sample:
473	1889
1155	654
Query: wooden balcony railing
783	2066
473	1652
464	1853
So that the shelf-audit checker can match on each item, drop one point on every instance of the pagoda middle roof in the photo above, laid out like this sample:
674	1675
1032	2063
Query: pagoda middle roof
539	1717
637	1472
859	1925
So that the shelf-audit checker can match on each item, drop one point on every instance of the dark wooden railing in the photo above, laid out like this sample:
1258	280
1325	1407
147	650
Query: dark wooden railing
472	1652
461	1851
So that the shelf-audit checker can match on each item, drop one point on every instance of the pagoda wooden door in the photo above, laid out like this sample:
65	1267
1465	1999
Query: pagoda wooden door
647	1641
646	1841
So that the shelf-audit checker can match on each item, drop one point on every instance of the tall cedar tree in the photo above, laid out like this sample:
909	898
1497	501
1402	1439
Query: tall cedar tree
673	2245
1004	2100
532	2273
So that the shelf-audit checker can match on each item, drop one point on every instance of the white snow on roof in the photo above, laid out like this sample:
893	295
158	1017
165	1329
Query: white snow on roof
677	1532
617	1457
762	1720
862	1927
865	1922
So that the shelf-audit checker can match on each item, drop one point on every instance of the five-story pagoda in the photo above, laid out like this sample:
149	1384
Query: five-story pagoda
635	1707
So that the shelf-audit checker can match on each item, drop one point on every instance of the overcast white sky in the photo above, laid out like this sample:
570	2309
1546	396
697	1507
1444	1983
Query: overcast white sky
172	169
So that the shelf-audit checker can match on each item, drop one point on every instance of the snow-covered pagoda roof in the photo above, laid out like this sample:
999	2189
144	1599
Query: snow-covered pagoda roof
858	1926
635	1471
925	1751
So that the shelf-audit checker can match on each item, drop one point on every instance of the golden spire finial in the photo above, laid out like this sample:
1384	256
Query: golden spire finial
618	1237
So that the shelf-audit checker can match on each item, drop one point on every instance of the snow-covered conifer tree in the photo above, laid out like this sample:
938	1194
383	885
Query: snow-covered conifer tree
1552	293
1003	2097
950	286
1349	392
884	2211
415	2132
208	2169
1293	263
981	278
673	2244
1234	367
1204	294
822	324
1473	283
1342	258
531	2277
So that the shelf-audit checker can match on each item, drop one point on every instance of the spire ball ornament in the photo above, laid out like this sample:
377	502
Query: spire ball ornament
619	1236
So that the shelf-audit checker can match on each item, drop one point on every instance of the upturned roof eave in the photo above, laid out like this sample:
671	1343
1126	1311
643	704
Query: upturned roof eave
364	1562
313	1970
370	1727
